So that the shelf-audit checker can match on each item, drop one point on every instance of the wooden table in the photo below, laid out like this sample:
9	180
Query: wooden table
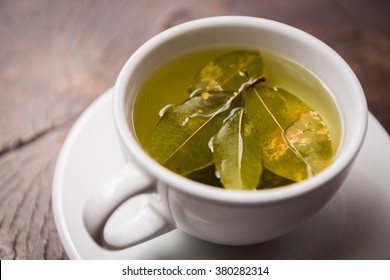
56	57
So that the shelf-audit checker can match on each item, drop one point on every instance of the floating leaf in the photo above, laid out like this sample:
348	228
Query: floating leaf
299	153
229	71
180	141
310	137
237	153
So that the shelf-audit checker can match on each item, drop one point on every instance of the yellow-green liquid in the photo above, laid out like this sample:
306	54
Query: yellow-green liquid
168	85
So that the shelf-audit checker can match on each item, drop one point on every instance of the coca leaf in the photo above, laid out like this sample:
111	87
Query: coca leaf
294	140
237	153
229	71
180	141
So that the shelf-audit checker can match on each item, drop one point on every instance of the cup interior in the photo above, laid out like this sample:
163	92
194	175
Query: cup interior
344	87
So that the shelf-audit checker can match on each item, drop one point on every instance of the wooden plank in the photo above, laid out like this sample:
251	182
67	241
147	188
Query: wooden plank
27	229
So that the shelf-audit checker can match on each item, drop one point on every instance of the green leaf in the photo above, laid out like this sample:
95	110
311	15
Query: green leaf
294	141
310	137
180	141
237	153
229	71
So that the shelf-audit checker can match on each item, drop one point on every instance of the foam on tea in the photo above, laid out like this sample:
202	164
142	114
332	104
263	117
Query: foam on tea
236	119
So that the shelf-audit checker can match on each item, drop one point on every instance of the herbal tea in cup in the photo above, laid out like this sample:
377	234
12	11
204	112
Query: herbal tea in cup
222	104
241	119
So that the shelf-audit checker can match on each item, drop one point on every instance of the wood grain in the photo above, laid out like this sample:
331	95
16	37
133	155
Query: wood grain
57	56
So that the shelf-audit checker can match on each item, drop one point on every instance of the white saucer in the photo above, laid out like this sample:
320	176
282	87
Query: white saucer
354	225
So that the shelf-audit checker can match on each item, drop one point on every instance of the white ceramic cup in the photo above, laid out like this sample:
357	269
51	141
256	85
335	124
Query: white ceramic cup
145	199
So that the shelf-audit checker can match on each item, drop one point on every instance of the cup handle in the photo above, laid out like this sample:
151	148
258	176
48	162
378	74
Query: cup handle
126	210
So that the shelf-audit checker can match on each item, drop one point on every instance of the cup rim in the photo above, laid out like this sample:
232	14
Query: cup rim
202	191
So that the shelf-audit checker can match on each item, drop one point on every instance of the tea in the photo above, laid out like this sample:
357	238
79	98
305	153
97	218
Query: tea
245	142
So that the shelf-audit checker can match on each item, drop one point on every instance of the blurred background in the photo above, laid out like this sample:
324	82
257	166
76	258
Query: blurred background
56	57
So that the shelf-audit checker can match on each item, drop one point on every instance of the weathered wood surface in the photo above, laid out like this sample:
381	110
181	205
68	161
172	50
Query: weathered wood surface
58	56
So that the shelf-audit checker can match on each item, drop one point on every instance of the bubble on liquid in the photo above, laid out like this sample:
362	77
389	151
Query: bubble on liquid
183	123
241	73
211	144
277	88
164	109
